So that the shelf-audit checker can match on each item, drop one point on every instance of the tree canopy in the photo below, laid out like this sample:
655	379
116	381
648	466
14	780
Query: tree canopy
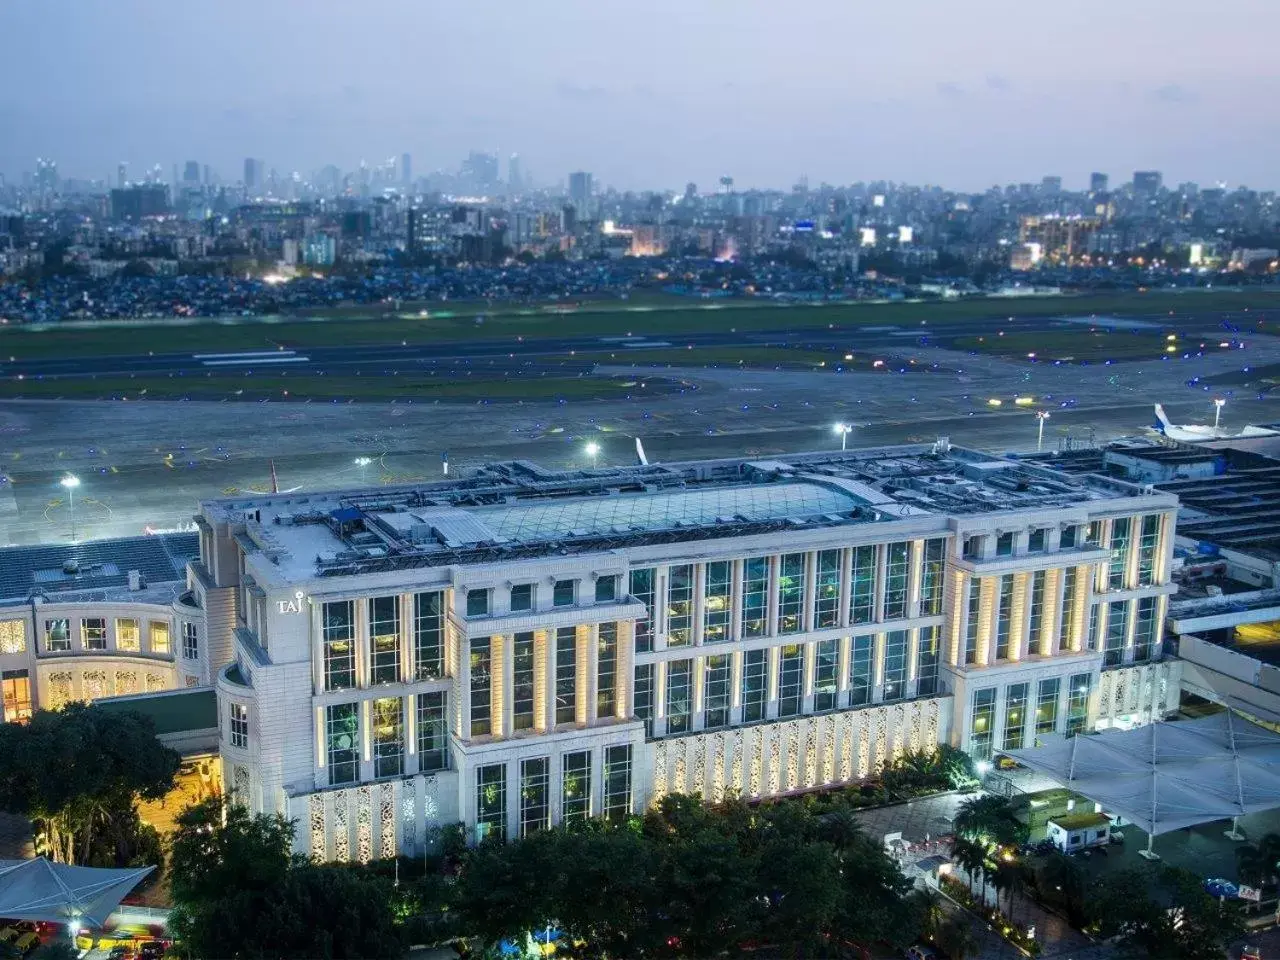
77	773
1165	915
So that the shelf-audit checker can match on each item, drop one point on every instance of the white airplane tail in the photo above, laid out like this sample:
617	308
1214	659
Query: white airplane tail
640	457
1162	420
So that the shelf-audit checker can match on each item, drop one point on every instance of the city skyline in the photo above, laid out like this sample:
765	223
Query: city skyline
761	94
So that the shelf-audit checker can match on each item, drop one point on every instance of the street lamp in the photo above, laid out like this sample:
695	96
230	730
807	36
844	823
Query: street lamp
593	451
69	483
362	463
1042	416
844	430
1218	404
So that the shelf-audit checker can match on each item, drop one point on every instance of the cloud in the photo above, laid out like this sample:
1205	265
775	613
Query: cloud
1172	93
996	82
575	91
950	90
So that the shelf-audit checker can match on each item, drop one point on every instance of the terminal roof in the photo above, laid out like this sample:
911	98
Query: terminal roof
518	510
95	567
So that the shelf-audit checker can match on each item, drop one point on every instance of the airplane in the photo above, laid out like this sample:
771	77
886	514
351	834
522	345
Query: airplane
641	459
1195	433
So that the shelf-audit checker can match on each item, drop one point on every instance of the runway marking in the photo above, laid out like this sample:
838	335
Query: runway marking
253	361
247	353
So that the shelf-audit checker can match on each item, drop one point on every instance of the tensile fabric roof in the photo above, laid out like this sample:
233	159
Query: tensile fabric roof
39	889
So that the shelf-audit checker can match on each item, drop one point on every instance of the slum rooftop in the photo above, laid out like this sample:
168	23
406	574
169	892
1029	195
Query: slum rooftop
518	510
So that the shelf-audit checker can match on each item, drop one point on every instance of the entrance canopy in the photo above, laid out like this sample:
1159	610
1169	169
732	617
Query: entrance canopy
58	893
1169	775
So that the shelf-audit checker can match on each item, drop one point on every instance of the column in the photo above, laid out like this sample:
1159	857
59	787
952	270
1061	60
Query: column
699	596
842	680
771	626
659	698
362	642
806	689
661	575
1080	612
987	587
771	665
959	617
735	600
1020	640
915	564
366	740
877	668
846	587
735	687
810	590
408	668
1134	549
502	651
1054	638
699	681
317	648
543	681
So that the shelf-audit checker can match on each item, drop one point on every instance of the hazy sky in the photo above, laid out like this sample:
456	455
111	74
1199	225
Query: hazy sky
652	93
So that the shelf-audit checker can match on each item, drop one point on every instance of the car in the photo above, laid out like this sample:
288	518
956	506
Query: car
151	950
26	943
122	951
1221	888
921	952
1250	953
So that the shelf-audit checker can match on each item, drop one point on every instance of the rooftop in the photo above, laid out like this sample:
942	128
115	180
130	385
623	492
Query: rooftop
96	568
1239	510
517	510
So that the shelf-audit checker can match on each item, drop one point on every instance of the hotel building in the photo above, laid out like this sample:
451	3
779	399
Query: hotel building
524	647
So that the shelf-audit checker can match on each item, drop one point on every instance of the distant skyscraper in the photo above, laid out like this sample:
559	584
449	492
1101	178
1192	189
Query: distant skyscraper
513	173
481	170
1146	183
1098	183
122	174
253	170
406	168
579	188
191	172
1051	186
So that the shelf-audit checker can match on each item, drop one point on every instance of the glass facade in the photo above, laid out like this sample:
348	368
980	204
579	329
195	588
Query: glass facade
642	587
680	606
644	696
575	787
896	574
566	674
895	665
1071	583
827	590
679	696
755	596
716	601
338	636
1117	625
387	717
715	694
342	743
607	669
791	593
239	727
491	801
790	679
927	661
1148	549
1146	630
617	782
1047	706
1077	704
1121	529
862	585
755	685
1004	617
932	572
860	675
384	640
432	732
826	674
522	682
983	723
535	795
1036	619
481	687
1015	715
974	622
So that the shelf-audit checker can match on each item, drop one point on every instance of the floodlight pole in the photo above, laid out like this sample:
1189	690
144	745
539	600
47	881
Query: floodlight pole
1234	833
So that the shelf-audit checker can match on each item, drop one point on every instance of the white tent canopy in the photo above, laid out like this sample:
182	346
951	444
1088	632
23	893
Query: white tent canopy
59	893
1169	775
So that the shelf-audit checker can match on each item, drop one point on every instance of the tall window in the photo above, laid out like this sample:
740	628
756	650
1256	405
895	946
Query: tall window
428	635
606	589
715	695
1004	545
1145	630
791	593
522	681
895	586
432	740
239	715
974	626
617	782
342	739
790	679
566	674
927	661
1120	533
680	606
491	801
190	641
522	598
1117	625
931	577
339	638
387	715
755	596
1036	619
478	603
384	639
575	787
1004	617
644	696
535	795
679	695
159	631
1070	585
128	635
1036	541
481	687
827	590
642	589
1077	704
826	674
860	674
755	686
607	670
13	636
1047	706
93	633
1148	549
895	664
1015	715
1092	633
716	605
1067	539
984	722
17	695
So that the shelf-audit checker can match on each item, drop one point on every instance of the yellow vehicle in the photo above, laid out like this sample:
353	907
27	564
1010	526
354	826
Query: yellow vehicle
27	942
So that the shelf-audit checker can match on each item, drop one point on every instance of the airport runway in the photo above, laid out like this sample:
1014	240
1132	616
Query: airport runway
148	464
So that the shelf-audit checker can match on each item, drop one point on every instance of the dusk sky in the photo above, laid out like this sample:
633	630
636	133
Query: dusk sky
651	94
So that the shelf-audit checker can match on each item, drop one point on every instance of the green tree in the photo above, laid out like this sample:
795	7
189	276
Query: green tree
1258	864
957	939
1164	915
78	773
991	819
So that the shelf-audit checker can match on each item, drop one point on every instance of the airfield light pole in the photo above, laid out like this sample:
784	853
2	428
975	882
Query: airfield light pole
69	483
844	430
1218	404
593	451
1042	416
363	464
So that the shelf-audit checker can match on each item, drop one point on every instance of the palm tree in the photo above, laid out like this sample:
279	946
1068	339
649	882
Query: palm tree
1012	878
1258	863
957	939
971	855
991	817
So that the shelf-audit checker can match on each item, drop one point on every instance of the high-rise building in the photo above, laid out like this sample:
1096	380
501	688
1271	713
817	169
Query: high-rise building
253	173
579	188
514	180
408	659
480	170
406	169
122	174
1146	183
191	172
1051	186
139	200
1098	182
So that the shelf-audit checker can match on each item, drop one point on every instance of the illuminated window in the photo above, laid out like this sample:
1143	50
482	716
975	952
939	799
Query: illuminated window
13	636
617	782
680	606
432	739
239	725
1117	625
1004	617
607	670
1015	715
895	588
642	588
791	593
860	670
895	665
1047	706
755	688
428	635
1145	631
384	639
128	635
755	596
790	679
93	633
17	695
862	584
57	635
158	631
566	674
984	720
974	625
679	695
338	631
1148	550
715	695
827	590
535	799
826	674
716	605
481	687
491	801
927	661
522	681
342	739
1078	704
387	718
1036	620
931	577
1070	587
575	787
1120	536
644	696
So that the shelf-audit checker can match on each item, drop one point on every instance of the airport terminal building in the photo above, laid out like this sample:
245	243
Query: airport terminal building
524	647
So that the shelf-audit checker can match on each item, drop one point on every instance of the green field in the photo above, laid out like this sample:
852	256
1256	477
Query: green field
303	387
446	322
